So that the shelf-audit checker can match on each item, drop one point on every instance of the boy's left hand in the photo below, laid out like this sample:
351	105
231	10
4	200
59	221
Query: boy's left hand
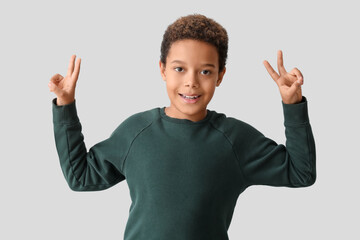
289	83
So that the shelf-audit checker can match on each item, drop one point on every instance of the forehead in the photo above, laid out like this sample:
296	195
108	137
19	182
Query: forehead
193	51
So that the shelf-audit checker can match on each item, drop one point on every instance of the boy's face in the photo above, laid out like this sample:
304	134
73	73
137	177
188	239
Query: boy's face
191	75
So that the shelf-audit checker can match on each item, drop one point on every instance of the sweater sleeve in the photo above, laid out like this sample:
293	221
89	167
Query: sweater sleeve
269	163
97	169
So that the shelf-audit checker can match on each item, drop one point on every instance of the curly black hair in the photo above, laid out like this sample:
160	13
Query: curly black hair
197	27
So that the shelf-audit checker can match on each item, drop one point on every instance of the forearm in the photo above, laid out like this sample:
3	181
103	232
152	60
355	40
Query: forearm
83	170
264	162
300	144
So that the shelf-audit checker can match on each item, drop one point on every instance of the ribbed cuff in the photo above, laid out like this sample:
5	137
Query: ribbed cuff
65	114
297	113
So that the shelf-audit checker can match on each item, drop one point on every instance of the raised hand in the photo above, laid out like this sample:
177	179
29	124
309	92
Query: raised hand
289	83
64	87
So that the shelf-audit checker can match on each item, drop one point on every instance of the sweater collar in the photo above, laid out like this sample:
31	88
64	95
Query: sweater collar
184	121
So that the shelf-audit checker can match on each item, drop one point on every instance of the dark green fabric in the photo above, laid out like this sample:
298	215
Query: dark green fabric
185	177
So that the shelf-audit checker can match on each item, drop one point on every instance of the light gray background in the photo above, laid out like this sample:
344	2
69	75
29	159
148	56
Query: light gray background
119	44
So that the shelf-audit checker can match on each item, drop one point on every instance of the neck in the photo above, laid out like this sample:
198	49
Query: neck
169	111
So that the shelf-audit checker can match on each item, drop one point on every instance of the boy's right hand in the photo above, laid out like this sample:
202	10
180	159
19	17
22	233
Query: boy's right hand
64	87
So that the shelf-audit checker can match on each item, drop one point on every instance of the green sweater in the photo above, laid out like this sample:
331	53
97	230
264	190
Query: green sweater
184	177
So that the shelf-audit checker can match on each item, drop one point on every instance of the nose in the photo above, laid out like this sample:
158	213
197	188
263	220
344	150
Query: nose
192	80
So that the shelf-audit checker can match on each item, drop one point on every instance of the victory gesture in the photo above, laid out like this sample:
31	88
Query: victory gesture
64	87
289	83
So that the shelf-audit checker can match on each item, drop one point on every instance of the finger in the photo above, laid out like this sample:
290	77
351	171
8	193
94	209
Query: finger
294	87
271	71
76	72
280	63
71	65
56	78
54	88
298	74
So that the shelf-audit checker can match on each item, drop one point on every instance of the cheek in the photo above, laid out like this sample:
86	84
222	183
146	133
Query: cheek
210	87
173	82
171	87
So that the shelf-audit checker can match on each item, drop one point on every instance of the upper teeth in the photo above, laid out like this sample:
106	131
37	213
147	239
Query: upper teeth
190	97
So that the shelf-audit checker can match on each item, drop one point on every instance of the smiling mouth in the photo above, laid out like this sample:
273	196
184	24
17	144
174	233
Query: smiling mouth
189	97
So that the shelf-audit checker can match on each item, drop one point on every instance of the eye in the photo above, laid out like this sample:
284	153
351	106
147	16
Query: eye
206	72
179	69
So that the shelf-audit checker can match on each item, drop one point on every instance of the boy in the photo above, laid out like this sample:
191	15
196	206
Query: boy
185	165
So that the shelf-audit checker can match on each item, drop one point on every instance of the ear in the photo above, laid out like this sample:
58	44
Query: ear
162	70
220	78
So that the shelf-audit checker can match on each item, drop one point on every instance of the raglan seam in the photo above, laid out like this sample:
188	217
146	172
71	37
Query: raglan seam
237	158
128	151
66	125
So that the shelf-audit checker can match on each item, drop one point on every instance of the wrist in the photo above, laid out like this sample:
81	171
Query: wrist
61	102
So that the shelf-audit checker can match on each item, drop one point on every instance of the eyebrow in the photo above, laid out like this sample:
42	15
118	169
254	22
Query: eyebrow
206	64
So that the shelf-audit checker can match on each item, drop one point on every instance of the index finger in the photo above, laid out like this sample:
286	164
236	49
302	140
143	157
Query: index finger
280	63
270	70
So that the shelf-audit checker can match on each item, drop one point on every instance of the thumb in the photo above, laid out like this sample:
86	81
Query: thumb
294	87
